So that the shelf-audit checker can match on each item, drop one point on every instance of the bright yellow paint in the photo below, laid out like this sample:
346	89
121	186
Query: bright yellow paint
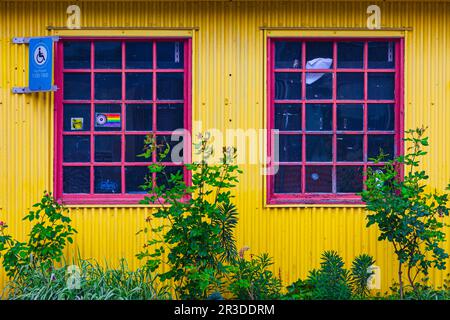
228	92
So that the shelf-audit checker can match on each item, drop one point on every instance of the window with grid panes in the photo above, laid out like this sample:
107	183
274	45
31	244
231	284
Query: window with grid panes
334	105
114	92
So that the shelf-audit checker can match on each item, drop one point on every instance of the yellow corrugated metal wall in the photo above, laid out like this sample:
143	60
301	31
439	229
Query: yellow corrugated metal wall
228	87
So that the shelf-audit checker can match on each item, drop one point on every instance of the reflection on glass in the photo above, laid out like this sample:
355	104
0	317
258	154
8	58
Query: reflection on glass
288	179
319	117
349	147
169	86
107	180
108	55
139	55
108	86
350	85
77	55
139	86
350	54
288	117
319	148
77	86
381	86
108	148
290	148
287	86
139	117
76	149
381	55
287	54
76	179
170	117
380	117
349	179
318	179
350	117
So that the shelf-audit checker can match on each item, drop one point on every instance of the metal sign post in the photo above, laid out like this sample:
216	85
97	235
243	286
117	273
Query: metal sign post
40	64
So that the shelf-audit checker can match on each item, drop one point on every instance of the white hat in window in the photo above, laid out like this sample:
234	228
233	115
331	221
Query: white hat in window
318	63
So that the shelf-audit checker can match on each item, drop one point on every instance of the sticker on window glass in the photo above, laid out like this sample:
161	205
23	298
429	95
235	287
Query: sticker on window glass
76	124
110	120
391	51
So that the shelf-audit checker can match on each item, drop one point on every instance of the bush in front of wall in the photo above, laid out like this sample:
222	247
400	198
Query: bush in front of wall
86	280
51	231
194	230
410	218
332	281
252	279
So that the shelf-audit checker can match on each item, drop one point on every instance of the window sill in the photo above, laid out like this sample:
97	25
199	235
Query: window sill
314	201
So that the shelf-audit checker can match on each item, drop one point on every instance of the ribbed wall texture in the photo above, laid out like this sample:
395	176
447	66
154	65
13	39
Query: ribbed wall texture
228	92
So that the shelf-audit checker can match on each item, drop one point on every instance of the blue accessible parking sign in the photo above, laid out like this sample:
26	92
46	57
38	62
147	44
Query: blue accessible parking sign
41	64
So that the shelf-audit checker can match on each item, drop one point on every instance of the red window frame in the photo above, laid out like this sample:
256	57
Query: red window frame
329	198
116	198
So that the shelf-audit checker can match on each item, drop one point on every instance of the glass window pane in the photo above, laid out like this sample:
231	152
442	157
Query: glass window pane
77	148
319	117
319	86
288	86
378	143
350	54
290	148
139	55
381	55
77	86
77	55
139	117
108	86
107	180
288	179
169	117
169	86
381	86
350	86
175	148
349	147
319	148
288	116
163	178
108	148
135	178
76	180
170	55
350	117
288	54
380	117
319	179
316	50
108	117
349	179
139	86
134	145
77	117
108	55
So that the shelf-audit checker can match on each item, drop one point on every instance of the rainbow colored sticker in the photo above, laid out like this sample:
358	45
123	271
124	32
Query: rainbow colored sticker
110	120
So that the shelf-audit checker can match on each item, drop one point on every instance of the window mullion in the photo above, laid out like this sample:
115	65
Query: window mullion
334	124
92	147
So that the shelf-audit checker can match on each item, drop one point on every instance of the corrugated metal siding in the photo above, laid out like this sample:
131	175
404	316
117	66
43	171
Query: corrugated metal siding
227	93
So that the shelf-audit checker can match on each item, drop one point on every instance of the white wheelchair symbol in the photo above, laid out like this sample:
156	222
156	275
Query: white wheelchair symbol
40	55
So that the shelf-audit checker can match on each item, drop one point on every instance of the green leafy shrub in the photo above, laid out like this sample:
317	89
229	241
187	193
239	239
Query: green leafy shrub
92	282
194	236
408	216
50	233
360	275
332	281
252	279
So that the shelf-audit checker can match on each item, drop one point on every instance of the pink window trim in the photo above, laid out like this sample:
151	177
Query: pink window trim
122	198
273	198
